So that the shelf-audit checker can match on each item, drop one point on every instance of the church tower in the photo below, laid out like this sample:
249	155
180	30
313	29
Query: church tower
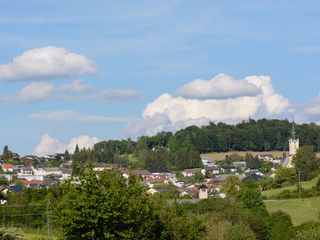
293	146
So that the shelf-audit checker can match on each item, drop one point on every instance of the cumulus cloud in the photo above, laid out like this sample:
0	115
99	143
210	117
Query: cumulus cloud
47	145
220	87
47	63
76	86
50	145
34	92
69	115
255	96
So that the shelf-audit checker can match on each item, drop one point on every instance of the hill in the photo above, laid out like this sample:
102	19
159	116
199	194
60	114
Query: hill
305	185
300	210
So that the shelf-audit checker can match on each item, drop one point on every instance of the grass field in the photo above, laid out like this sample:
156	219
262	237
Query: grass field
214	156
300	210
305	185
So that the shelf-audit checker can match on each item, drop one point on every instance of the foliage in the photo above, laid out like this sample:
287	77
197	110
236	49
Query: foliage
313	234
103	206
306	162
251	198
6	155
280	225
231	185
285	177
240	231
3	181
10	234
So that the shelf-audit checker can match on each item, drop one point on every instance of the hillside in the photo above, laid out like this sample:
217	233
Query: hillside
305	185
300	210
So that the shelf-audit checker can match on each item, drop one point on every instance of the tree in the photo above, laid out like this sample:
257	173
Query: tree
231	185
6	155
285	177
240	231
251	199
3	181
104	206
66	156
280	225
306	162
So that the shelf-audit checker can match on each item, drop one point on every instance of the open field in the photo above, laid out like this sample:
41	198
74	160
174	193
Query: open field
300	210
305	185
214	156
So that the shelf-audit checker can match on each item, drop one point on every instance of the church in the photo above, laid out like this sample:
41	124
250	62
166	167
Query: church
293	147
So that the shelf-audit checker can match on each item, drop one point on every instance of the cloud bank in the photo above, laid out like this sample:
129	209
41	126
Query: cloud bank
47	63
219	99
50	145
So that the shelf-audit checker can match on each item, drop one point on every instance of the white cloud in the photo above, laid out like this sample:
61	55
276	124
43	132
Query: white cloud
50	145
76	86
47	145
69	115
172	113
220	87
46	63
314	107
34	92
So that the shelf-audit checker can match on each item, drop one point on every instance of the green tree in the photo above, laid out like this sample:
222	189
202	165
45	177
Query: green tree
306	162
6	155
232	185
3	181
285	177
280	225
104	206
66	156
251	199
240	231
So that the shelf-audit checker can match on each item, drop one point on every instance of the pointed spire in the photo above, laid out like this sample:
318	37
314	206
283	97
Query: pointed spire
293	132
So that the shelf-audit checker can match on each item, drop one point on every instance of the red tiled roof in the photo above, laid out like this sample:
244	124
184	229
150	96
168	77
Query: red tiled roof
25	182
7	165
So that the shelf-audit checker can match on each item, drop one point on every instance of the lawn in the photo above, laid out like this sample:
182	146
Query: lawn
300	210
305	185
215	156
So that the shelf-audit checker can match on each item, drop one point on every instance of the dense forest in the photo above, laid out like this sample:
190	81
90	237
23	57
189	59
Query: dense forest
181	150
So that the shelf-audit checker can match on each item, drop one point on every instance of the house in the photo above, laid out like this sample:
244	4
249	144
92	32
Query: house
206	160
26	171
252	176
188	172
138	172
240	165
53	171
192	191
7	167
228	169
66	173
203	192
5	190
152	191
211	170
265	157
33	184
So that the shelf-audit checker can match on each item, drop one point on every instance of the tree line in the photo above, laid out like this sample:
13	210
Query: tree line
180	150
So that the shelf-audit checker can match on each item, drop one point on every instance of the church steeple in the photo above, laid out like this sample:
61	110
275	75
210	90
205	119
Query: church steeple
293	132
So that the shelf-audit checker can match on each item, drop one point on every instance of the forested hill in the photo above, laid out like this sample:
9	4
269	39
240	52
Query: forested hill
260	135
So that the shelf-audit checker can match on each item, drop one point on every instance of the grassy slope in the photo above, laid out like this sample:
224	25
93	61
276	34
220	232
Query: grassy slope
300	210
220	156
215	156
305	185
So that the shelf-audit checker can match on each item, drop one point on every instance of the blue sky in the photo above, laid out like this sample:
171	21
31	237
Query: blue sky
79	71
